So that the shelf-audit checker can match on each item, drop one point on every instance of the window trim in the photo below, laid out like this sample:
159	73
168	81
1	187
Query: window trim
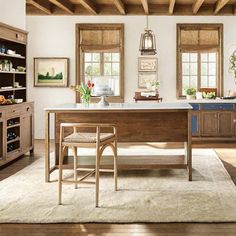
79	59
179	49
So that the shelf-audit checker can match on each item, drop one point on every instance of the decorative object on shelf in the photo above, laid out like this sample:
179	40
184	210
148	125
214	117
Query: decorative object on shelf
85	91
51	72
147	41
6	65
232	66
147	96
190	93
21	69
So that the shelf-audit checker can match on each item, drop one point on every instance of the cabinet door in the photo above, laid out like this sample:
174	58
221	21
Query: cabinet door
209	123
226	123
26	132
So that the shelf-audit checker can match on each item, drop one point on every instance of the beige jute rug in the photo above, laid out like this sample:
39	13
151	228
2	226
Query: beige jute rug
143	196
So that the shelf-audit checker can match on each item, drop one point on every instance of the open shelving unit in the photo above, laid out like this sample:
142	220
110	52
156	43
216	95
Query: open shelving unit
16	121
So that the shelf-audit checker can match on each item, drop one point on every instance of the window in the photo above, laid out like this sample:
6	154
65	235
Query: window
103	65
199	58
100	56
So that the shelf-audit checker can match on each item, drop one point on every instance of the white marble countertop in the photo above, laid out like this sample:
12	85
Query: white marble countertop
217	100
121	106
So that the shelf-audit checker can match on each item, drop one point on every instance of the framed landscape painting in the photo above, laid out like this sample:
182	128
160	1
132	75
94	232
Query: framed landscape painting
51	71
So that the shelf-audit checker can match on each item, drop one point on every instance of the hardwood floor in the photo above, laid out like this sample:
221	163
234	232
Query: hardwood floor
227	153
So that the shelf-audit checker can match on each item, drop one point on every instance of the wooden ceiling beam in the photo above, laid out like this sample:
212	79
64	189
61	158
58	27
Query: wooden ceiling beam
171	7
89	5
120	6
64	5
219	5
42	5
197	5
145	6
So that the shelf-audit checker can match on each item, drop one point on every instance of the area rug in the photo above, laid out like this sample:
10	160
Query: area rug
143	196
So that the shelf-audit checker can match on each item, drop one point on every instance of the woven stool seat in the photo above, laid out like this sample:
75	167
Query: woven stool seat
86	137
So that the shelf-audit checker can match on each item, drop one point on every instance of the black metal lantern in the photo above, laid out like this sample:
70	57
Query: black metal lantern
147	42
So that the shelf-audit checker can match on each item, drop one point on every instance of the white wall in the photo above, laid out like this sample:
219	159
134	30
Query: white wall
55	36
12	12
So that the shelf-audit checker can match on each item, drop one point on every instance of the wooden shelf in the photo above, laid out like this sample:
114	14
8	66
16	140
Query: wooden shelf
11	72
13	126
13	140
12	89
13	151
11	56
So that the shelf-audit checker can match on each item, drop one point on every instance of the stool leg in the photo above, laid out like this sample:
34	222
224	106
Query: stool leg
61	155
115	164
97	175
75	166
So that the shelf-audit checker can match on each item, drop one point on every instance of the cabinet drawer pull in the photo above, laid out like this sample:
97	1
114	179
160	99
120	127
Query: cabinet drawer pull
27	109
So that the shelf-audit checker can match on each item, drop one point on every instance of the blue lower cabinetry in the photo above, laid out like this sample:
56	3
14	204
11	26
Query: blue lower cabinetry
195	125
214	120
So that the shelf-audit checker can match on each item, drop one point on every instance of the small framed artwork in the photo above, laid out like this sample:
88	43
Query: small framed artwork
145	79
51	71
147	64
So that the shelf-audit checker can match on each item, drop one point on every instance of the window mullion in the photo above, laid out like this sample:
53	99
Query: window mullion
199	70
102	63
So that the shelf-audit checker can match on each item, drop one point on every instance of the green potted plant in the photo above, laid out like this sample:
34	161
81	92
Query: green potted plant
190	93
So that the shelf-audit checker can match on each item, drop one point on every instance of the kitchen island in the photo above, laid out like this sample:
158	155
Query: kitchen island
162	122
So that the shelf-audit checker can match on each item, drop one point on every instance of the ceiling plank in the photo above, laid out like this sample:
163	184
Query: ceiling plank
42	5
91	7
64	5
145	6
120	6
197	5
219	5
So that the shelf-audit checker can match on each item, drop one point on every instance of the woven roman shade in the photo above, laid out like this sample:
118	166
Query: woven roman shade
100	38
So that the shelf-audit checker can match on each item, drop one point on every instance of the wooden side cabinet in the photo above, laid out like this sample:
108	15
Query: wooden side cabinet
16	131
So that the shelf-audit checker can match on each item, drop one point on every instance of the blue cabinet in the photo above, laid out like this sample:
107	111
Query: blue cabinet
213	120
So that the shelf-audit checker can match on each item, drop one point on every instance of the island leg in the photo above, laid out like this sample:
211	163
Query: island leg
47	146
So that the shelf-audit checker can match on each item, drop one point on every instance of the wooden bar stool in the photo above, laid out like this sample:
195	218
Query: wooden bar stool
77	139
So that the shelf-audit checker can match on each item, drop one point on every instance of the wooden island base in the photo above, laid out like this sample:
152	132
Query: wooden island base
159	123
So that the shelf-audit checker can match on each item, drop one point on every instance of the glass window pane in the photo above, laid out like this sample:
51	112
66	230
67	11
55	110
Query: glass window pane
115	68
185	57
88	56
204	82
96	69
193	81
204	69
212	68
107	68
193	69
212	81
212	57
88	69
185	69
185	82
204	57
193	57
107	57
115	57
96	56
